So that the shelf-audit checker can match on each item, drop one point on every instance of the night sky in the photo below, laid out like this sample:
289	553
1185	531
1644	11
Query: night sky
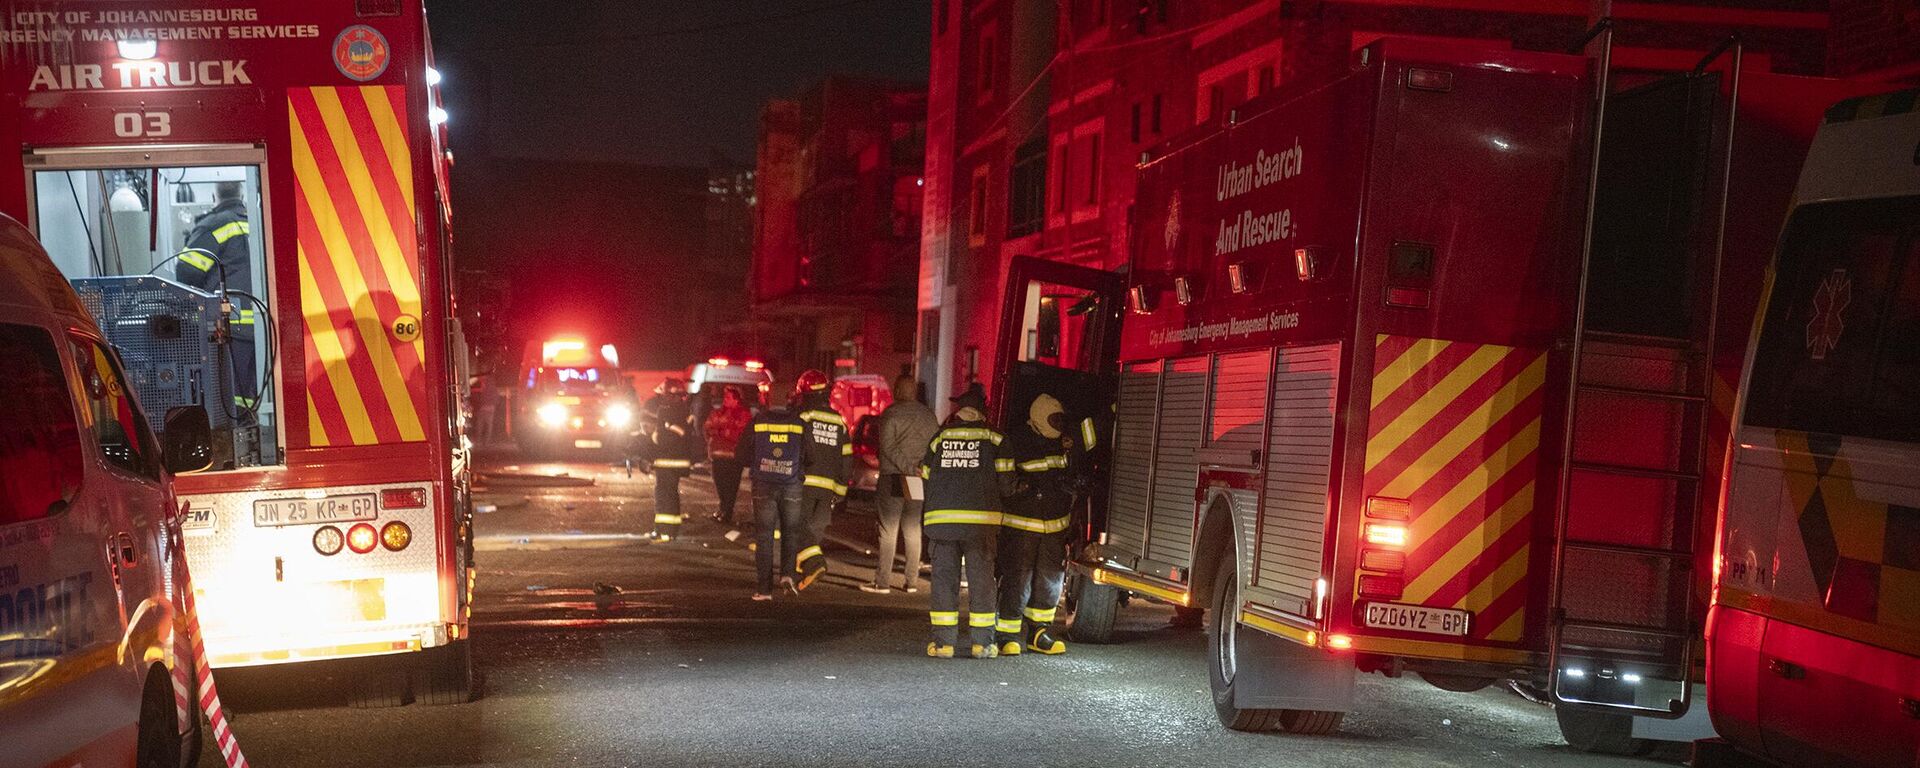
652	81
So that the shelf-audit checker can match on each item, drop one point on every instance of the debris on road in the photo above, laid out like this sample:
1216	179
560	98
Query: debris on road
529	480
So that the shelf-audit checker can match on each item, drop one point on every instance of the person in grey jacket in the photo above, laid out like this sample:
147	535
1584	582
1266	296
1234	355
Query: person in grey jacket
906	428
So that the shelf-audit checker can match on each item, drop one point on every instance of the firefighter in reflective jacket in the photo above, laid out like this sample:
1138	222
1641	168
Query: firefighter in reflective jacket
670	454
827	464
1033	537
966	478
218	256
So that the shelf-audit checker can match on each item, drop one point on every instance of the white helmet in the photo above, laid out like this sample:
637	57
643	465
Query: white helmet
1046	416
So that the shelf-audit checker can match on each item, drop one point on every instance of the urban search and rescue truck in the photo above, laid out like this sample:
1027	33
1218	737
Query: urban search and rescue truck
1814	633
1425	367
251	197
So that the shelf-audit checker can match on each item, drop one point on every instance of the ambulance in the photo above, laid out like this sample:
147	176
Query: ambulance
1814	634
572	396
88	611
252	199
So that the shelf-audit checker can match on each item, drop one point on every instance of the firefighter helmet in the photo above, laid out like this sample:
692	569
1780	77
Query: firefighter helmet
810	382
1046	416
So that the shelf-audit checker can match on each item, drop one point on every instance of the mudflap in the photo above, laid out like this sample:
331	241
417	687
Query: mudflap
1280	674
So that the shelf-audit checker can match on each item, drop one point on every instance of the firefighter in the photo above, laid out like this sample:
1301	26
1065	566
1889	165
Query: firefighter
670	451
1033	536
966	478
772	446
218	258
827	464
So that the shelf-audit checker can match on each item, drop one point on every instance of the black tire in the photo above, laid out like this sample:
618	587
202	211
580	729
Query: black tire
380	682
445	675
1223	629
158	744
1095	609
1600	733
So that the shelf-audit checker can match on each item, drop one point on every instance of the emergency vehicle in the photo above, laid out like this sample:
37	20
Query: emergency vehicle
1415	374
1814	633
335	522
751	376
86	642
572	395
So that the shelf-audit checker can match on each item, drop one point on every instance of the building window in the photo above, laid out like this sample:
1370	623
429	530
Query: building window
977	214
1267	79
1156	113
1027	192
1093	169
1065	177
1136	123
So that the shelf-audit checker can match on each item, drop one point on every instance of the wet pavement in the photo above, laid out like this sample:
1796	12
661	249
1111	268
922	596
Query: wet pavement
599	649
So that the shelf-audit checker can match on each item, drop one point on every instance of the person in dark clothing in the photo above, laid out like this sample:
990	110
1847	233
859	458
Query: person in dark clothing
966	478
724	427
827	463
219	256
771	446
1033	538
670	445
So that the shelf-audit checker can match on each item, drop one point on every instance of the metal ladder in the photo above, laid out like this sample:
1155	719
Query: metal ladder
1623	632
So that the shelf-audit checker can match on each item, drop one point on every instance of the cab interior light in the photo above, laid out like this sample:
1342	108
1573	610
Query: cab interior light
361	538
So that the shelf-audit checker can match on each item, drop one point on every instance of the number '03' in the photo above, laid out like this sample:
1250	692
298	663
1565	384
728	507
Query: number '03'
134	125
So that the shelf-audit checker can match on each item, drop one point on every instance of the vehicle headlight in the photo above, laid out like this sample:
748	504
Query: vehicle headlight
552	414
619	415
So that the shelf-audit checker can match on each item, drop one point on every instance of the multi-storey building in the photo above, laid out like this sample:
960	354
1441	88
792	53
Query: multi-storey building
837	226
1038	110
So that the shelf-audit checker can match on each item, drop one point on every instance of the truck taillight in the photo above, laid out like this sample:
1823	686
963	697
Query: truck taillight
1386	534
1380	587
395	536
361	538
1388	509
328	540
403	498
1382	560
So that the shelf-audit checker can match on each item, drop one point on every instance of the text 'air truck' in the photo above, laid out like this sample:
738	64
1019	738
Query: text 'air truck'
251	197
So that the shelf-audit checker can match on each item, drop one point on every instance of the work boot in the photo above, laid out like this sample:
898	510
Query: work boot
1009	647
939	651
1043	642
985	651
810	577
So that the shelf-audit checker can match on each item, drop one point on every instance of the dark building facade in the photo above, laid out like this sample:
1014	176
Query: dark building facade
1038	110
837	227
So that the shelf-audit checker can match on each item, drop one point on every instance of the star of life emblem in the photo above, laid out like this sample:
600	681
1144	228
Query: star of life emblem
1829	308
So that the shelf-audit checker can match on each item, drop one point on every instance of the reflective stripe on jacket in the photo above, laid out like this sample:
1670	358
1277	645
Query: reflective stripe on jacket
965	480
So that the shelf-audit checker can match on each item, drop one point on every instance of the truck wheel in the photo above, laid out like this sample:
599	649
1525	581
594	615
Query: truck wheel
1603	733
158	744
1095	609
1223	664
445	675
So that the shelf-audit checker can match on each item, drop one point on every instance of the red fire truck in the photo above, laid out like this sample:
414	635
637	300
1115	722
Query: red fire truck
1814	634
252	198
1420	371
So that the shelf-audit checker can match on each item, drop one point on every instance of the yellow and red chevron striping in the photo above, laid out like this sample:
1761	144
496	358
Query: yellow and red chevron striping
1454	429
359	264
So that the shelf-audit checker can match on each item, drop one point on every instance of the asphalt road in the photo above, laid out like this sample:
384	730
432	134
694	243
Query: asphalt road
680	668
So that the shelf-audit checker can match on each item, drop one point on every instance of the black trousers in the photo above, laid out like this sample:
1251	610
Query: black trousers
816	512
1033	570
949	556
726	483
774	507
666	501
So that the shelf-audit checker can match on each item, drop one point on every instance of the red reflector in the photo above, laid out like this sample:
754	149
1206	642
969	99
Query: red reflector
1339	642
1382	560
1411	298
403	498
1380	587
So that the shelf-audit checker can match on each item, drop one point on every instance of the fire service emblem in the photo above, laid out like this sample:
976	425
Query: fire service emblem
1829	308
361	52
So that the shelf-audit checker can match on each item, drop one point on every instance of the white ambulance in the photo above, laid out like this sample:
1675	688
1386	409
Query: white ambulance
87	616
